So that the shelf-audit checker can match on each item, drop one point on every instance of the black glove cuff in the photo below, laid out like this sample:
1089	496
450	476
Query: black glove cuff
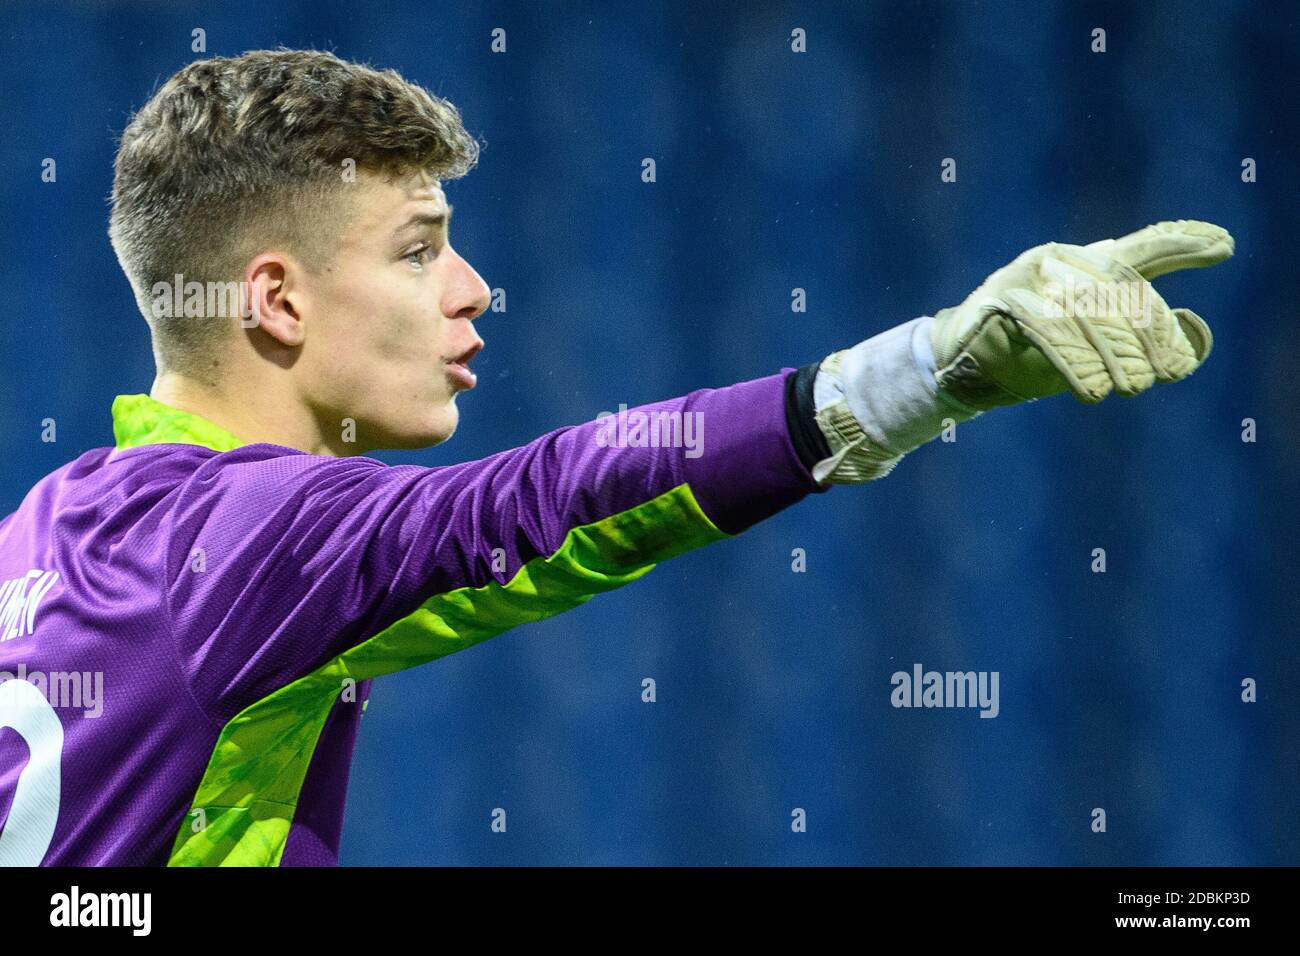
800	415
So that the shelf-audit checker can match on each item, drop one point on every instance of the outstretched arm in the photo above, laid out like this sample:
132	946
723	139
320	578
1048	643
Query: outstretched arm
308	558
313	560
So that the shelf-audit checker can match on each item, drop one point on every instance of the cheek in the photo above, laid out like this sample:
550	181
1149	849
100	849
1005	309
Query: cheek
382	318
403	349
379	358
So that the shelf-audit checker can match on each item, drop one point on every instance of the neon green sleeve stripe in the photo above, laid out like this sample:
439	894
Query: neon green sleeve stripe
244	805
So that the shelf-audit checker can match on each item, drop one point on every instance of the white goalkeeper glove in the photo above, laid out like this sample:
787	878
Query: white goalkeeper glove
1060	317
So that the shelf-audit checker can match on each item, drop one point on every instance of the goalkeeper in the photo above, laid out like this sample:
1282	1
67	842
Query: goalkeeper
239	572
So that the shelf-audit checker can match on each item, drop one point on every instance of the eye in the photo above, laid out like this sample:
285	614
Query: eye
418	257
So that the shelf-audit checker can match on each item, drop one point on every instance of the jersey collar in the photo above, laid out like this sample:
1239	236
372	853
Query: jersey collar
140	420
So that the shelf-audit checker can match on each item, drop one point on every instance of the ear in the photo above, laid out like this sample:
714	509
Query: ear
271	279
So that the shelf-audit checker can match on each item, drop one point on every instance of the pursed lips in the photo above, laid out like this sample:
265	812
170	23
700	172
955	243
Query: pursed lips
458	366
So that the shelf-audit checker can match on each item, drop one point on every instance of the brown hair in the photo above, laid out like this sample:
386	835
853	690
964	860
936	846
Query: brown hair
236	154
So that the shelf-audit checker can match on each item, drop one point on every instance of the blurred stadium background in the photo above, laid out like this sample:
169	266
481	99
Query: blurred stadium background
778	170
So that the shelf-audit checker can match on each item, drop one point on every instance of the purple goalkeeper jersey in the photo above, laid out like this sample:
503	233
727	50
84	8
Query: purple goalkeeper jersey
189	624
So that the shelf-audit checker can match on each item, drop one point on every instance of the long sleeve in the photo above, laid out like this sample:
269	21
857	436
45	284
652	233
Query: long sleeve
309	559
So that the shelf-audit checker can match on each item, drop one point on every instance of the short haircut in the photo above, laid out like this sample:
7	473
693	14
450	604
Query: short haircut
235	155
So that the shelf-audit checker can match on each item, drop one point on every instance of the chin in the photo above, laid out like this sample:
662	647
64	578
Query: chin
437	425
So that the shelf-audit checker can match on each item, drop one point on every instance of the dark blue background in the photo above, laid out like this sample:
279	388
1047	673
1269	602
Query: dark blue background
778	170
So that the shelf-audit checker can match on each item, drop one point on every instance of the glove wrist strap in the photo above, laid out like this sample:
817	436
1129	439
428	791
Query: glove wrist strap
878	400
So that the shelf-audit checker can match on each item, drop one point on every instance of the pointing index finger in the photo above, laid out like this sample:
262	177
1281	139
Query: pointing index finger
1169	246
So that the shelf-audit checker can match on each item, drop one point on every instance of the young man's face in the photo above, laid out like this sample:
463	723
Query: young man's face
389	323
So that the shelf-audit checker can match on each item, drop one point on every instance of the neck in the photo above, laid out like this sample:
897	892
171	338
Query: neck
261	413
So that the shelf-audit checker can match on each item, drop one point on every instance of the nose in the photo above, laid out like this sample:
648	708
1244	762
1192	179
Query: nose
467	296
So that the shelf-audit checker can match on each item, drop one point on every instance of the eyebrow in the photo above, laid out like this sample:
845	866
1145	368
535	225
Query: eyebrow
420	219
